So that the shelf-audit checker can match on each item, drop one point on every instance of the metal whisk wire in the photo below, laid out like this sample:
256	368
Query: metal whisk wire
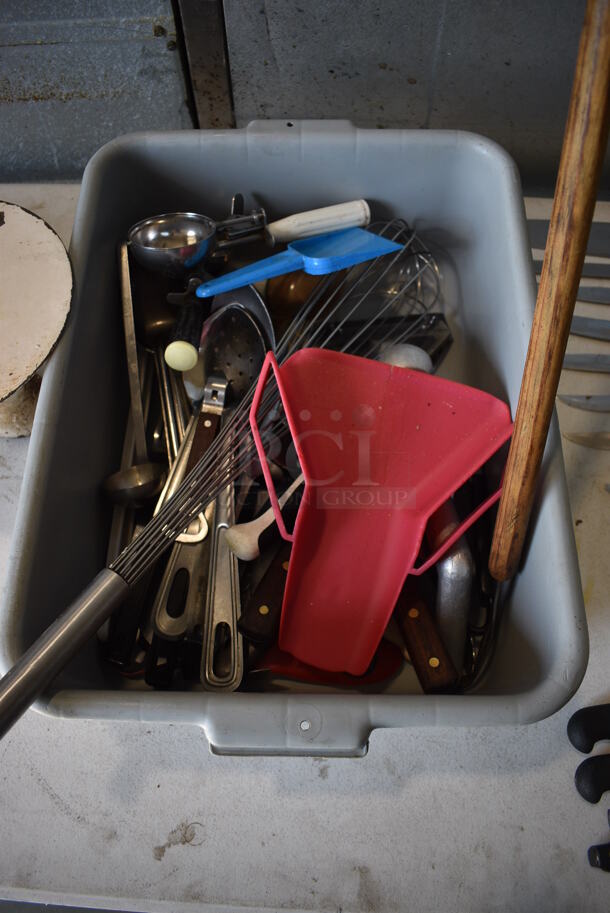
362	297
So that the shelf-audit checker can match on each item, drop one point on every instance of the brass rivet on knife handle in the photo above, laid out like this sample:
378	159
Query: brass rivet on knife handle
431	662
582	155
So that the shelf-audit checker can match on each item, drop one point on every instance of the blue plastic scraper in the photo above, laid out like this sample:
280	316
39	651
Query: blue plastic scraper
322	254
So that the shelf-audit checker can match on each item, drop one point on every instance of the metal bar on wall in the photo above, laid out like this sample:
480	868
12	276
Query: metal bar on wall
203	29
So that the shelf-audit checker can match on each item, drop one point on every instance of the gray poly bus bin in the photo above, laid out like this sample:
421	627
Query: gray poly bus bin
462	193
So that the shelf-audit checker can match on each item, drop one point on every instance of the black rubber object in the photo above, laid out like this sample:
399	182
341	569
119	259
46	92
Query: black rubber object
592	777
588	726
189	324
599	856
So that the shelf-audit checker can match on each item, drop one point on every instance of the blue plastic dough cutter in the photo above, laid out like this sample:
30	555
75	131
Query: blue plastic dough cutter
322	254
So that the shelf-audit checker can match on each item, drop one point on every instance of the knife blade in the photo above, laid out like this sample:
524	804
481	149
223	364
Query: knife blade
591	327
599	440
590	403
599	363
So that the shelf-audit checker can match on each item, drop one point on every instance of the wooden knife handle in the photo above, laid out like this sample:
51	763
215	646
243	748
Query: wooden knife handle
260	619
205	432
431	661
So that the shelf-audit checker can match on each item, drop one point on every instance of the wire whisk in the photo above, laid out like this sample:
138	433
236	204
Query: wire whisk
355	312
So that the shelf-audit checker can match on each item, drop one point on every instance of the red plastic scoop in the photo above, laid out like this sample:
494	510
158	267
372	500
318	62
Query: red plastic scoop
381	448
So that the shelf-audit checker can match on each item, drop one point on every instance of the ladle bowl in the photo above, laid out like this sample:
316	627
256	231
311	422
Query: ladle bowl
136	484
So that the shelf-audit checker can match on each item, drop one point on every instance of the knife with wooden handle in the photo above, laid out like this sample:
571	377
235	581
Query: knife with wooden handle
430	659
260	619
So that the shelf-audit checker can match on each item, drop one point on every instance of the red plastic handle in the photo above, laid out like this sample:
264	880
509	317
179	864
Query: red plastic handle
457	532
270	363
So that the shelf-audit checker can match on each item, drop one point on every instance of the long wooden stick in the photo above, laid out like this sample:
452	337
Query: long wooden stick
582	155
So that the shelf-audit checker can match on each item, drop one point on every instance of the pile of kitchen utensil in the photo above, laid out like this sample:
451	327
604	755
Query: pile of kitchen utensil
231	604
381	468
394	466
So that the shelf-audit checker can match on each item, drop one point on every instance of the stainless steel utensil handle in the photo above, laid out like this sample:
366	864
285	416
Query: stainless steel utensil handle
223	604
49	654
192	561
121	512
178	468
135	391
169	406
181	413
197	529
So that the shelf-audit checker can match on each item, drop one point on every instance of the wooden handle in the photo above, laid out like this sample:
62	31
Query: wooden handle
582	155
205	432
431	662
260	619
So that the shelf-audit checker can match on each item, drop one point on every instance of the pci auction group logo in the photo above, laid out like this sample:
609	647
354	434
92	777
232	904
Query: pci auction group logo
345	468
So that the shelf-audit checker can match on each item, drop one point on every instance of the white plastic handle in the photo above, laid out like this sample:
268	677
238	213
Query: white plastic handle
243	538
354	214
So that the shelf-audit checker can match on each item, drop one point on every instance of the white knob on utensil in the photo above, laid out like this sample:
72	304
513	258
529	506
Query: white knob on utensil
181	355
354	214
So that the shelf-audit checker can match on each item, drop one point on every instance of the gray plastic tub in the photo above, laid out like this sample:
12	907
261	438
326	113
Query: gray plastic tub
462	193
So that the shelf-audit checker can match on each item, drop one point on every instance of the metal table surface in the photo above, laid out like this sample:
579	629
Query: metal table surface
118	816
